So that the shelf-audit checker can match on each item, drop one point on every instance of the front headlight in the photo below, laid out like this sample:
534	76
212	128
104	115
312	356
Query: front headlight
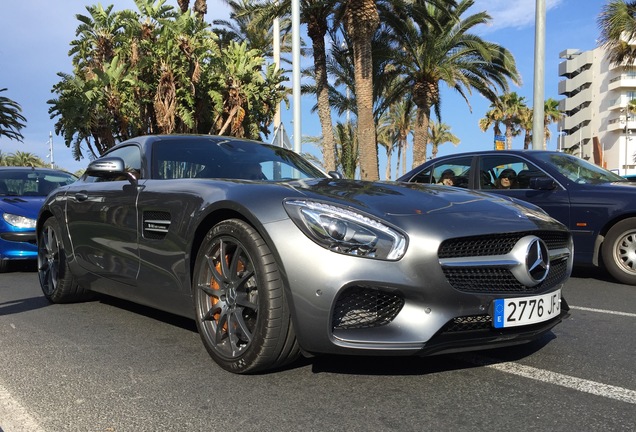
346	231
18	221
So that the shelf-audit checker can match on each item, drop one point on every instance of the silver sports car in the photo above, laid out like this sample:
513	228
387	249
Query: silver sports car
273	258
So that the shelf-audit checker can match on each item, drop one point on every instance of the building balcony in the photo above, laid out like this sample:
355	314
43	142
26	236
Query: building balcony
582	116
618	124
622	81
569	85
575	63
574	102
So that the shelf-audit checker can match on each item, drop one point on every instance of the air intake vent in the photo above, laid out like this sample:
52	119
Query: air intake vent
360	307
156	224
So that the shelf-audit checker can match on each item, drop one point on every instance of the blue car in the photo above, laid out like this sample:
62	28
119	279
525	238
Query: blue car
598	206
22	192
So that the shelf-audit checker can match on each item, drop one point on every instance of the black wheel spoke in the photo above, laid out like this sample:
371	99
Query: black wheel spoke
243	300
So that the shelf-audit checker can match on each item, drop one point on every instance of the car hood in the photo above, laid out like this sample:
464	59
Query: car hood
27	206
392	201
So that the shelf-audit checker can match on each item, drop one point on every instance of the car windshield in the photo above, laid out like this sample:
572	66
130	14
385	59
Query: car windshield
229	159
579	170
32	182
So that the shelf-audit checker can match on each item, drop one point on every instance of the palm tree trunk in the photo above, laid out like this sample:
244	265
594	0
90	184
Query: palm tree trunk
361	21
317	33
420	138
405	146
508	137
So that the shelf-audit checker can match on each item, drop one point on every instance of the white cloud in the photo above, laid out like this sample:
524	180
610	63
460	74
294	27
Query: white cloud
511	13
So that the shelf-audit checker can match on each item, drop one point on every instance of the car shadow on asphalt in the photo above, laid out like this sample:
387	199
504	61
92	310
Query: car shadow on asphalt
593	273
148	312
415	365
23	305
363	365
22	267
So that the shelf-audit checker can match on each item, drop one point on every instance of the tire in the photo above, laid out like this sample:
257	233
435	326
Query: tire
4	265
241	311
619	251
56	280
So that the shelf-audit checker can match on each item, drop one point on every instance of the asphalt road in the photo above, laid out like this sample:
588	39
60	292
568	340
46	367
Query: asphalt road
111	366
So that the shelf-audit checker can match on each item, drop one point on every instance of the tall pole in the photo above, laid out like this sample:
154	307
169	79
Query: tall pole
276	53
538	127
51	148
296	74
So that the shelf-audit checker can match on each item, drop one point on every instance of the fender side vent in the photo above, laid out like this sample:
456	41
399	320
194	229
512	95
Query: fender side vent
156	225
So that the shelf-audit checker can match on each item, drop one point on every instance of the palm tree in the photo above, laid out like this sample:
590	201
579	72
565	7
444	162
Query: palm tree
526	116
386	138
617	22
315	14
492	118
552	114
394	127
437	46
347	149
20	158
247	24
439	134
506	110
360	21
11	118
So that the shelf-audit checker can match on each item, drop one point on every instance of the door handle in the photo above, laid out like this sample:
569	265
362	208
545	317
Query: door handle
81	196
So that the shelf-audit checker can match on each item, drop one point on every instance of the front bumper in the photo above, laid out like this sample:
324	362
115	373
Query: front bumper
397	307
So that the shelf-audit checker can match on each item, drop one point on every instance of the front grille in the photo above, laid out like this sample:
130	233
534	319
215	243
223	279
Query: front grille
500	280
468	323
497	244
361	307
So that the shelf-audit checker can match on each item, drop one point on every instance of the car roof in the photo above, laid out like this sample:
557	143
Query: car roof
498	152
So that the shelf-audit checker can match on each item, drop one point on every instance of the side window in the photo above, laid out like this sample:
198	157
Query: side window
507	172
423	176
453	172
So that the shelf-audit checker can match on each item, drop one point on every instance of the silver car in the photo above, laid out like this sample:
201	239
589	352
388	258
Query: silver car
273	258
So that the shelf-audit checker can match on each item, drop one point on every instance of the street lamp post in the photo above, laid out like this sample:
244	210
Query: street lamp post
625	118
538	126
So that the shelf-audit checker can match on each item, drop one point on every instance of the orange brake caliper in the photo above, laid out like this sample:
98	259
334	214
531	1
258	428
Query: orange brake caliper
215	286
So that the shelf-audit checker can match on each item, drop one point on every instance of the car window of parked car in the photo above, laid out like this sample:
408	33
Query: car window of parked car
579	170
32	182
508	172
453	172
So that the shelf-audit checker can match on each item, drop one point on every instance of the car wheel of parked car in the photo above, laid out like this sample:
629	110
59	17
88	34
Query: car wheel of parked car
3	266
241	310
619	251
57	282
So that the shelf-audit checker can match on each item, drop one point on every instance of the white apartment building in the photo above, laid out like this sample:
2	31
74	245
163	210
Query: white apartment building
597	125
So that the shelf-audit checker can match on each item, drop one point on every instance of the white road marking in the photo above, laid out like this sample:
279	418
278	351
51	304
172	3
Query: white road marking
13	417
579	384
611	312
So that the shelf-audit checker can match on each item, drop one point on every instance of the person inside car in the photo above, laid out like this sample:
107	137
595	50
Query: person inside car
507	179
448	178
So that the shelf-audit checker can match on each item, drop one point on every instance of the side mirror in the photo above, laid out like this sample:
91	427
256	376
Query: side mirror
110	168
542	183
335	175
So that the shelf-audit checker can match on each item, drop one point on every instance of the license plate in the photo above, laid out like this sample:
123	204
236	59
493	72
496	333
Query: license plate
526	310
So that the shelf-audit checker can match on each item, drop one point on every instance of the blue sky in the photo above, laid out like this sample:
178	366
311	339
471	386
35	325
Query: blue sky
35	37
